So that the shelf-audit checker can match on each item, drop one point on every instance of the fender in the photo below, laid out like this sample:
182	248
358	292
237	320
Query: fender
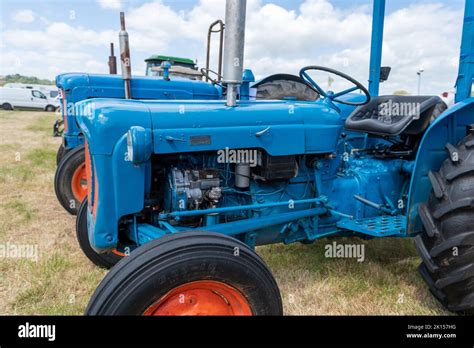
450	127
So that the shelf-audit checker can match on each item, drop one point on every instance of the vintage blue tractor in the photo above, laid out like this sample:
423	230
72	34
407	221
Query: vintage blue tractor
70	181
187	189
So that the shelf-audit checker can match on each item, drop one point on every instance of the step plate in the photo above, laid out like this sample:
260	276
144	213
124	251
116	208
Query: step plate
379	226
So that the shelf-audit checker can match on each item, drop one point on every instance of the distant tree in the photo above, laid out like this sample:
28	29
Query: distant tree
401	92
17	78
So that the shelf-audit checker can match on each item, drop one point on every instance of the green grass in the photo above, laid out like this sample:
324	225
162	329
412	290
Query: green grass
42	124
43	158
20	208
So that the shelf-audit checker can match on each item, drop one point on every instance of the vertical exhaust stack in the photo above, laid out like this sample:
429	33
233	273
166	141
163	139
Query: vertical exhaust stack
234	47
112	61
125	57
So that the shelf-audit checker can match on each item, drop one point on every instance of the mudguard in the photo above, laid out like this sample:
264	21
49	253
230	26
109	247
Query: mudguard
450	127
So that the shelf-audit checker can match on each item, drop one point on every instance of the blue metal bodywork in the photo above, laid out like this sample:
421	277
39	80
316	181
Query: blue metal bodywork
307	206
340	186
77	86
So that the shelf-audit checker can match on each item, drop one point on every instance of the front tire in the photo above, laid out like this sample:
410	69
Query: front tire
61	153
447	243
70	182
105	260
189	273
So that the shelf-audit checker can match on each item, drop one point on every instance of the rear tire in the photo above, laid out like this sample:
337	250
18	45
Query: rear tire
142	283
105	260
447	244
7	106
50	108
69	180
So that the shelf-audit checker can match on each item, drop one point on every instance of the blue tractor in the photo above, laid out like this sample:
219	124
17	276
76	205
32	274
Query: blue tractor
187	189
70	181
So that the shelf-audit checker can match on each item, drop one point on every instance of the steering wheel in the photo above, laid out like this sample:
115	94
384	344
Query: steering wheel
331	95
206	72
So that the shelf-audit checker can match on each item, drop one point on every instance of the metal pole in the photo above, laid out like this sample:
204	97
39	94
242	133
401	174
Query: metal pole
378	18
112	61
221	43
419	83
234	47
466	62
125	57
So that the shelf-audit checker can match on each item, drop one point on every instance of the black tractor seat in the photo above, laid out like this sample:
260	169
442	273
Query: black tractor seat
393	115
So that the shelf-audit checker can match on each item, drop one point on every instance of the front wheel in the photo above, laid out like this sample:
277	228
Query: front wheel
189	273
105	260
70	180
447	244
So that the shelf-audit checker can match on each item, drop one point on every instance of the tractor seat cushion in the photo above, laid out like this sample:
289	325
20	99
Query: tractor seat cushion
393	115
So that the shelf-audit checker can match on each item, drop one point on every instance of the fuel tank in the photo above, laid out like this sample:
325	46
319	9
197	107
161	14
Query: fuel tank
279	127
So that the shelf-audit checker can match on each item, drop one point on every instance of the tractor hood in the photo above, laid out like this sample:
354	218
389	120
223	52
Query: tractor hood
279	127
83	86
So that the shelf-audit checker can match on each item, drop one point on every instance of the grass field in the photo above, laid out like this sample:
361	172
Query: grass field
61	280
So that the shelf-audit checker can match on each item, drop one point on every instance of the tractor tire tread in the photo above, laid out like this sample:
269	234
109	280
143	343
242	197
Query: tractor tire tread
446	219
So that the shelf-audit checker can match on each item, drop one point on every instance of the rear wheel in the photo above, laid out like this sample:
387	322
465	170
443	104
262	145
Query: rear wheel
7	106
50	108
70	181
447	244
188	273
104	260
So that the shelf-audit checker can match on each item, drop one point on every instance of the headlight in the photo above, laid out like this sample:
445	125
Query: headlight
139	144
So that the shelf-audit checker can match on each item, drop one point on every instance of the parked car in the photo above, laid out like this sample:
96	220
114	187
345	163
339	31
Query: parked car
11	98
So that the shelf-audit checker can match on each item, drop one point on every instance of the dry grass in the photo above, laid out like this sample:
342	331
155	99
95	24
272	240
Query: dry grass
62	279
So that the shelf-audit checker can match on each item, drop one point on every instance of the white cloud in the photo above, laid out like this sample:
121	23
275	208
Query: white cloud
277	40
24	16
111	4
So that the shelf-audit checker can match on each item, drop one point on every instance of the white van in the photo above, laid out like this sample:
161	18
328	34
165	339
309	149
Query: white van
11	98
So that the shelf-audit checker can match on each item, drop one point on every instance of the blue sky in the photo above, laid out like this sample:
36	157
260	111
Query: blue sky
47	37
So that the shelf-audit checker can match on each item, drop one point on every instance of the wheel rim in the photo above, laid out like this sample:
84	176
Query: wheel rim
211	298
79	183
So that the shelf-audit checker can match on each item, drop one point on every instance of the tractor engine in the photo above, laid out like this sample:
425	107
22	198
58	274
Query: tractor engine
193	188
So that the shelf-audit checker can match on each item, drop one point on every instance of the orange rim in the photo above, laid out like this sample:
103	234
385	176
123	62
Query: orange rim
204	297
79	183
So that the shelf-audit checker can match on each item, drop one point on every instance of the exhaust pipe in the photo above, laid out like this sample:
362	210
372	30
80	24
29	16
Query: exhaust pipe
234	47
125	57
112	61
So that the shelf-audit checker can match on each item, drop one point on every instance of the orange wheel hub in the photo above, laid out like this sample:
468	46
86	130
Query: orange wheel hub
205	297
79	183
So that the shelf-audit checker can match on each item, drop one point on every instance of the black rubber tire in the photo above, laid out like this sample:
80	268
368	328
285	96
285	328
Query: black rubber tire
61	153
7	106
447	244
50	108
105	260
63	177
161	265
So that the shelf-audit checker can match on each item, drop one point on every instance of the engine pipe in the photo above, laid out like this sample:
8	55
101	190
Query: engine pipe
112	61
234	47
186	213
125	57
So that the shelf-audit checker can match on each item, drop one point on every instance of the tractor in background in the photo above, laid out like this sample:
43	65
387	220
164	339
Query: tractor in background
187	189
